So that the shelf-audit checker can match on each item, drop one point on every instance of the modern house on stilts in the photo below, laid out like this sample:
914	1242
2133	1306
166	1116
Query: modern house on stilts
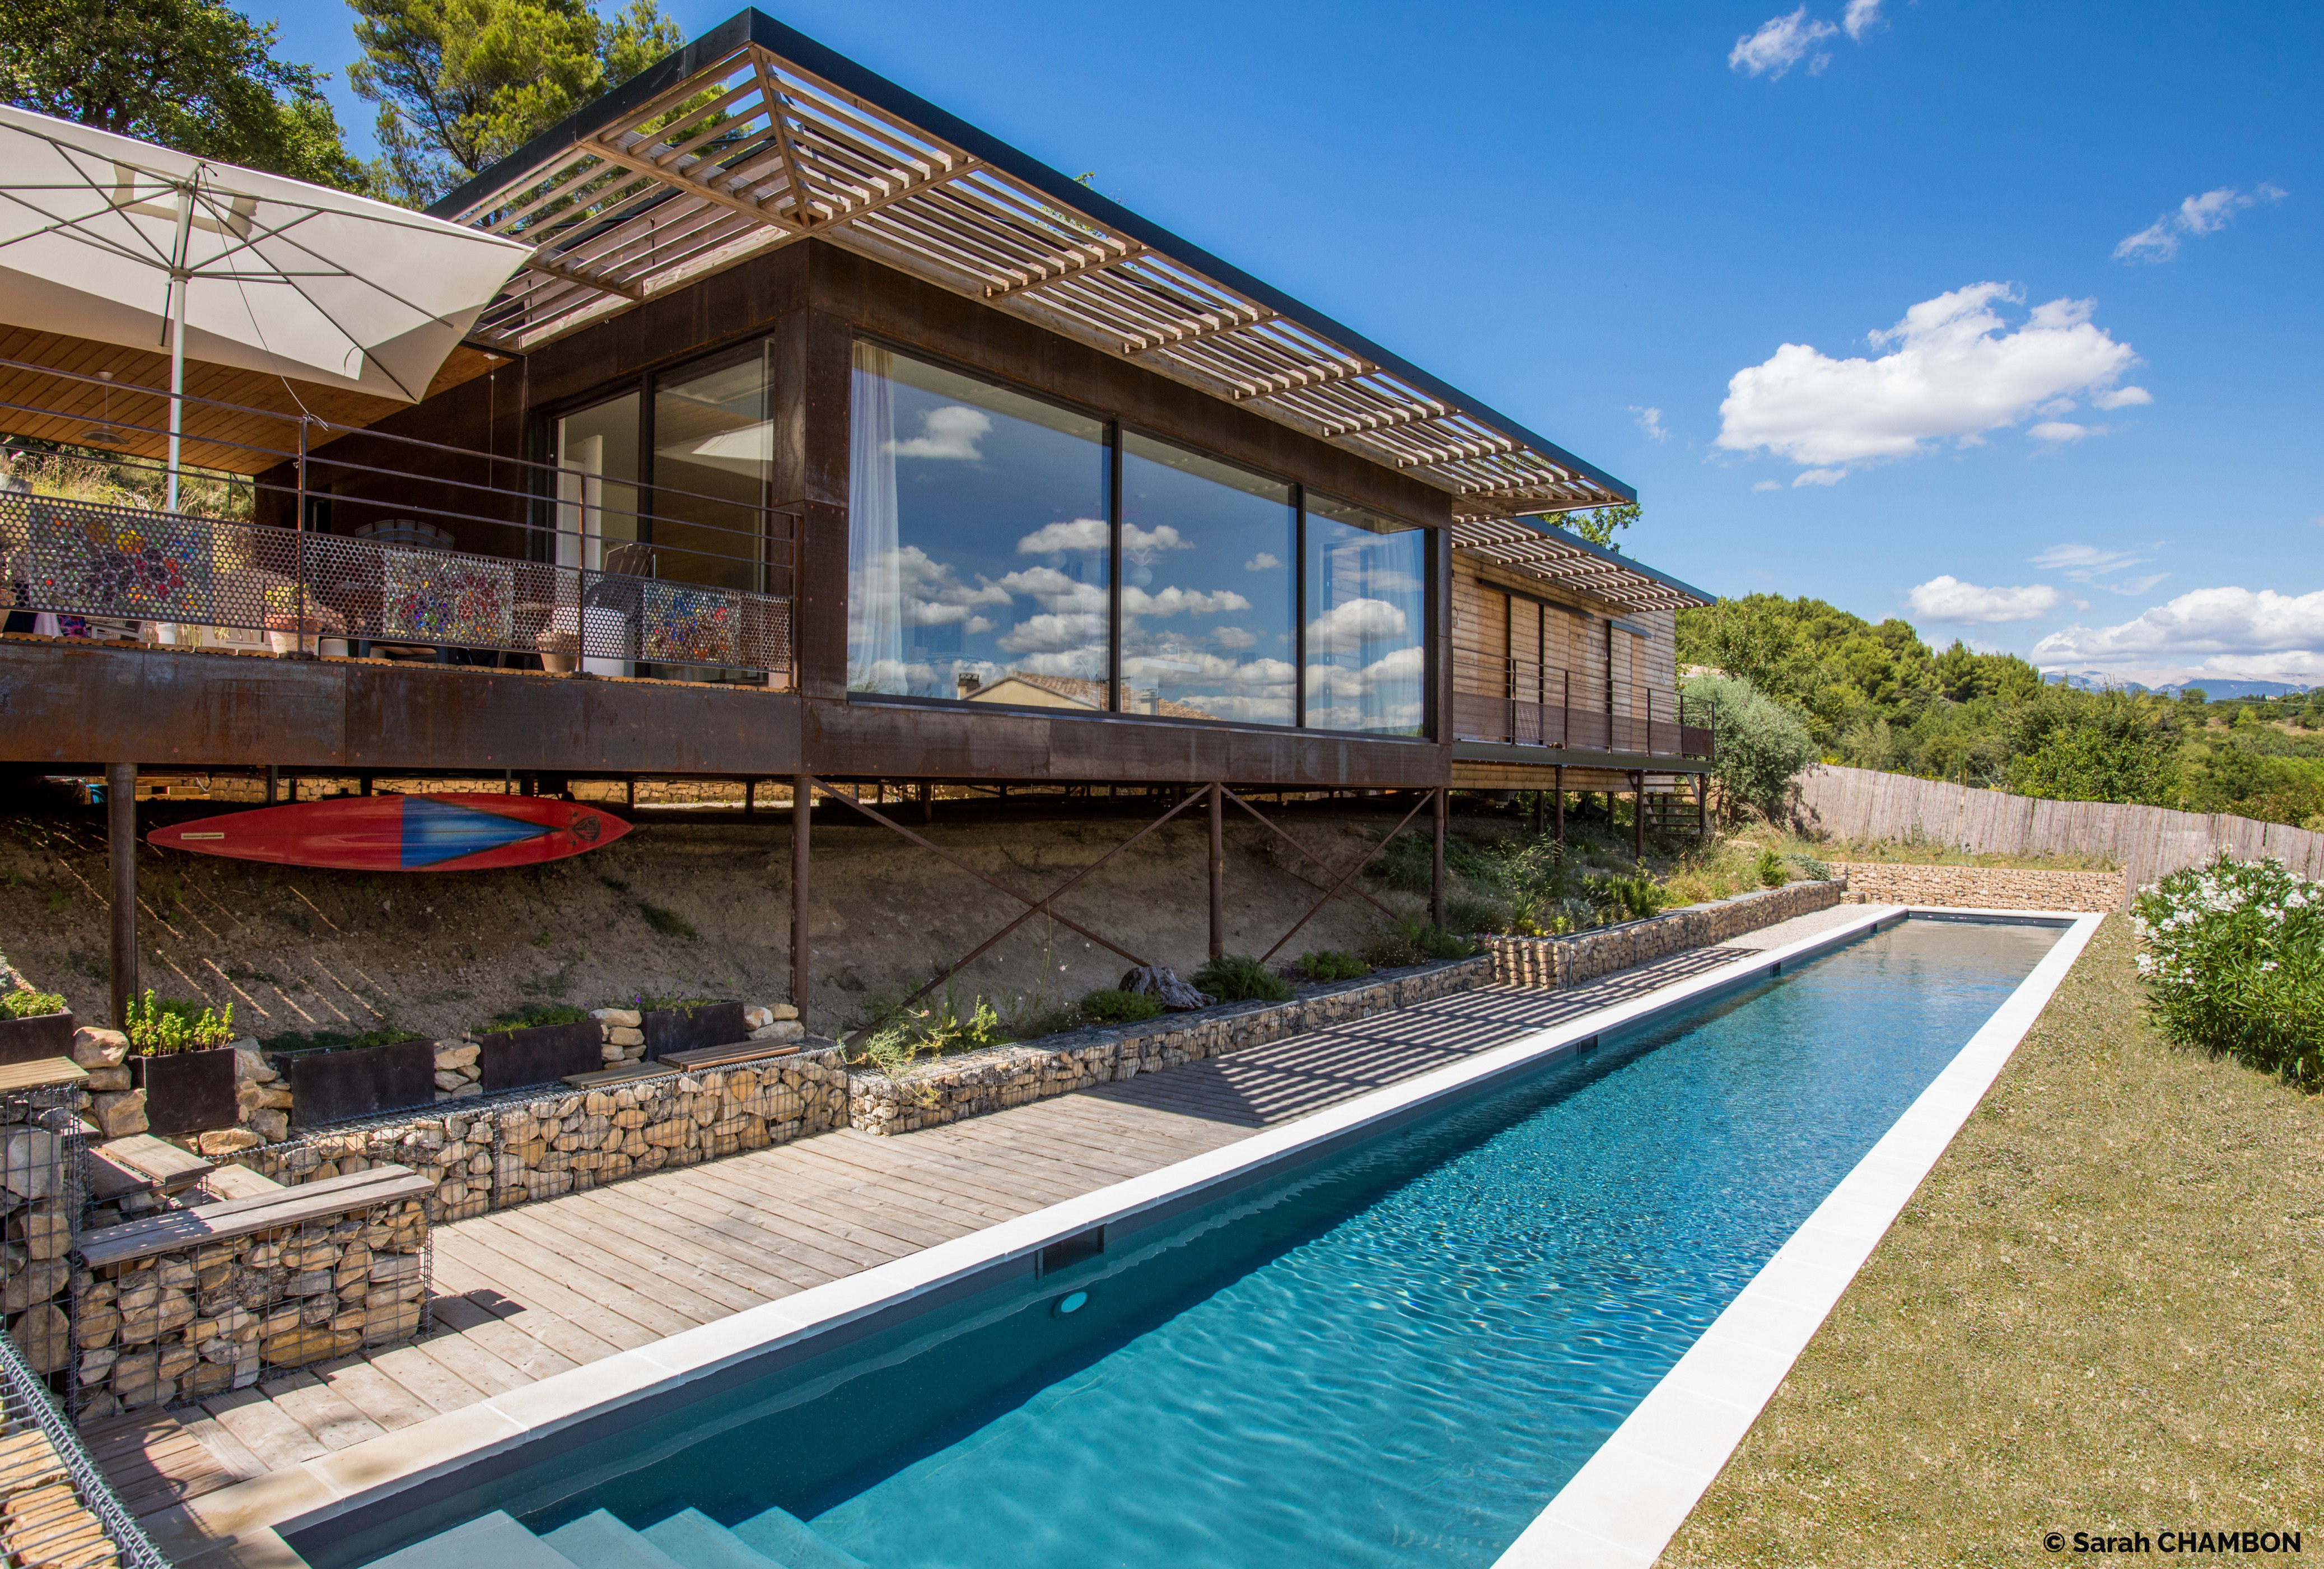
821	440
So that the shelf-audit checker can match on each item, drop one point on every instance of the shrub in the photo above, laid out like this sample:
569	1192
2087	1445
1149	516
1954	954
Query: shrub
1771	870
1762	744
534	1016
1808	866
2235	965
1113	1005
643	1003
1240	978
1467	910
173	1025
1625	896
1333	964
21	1004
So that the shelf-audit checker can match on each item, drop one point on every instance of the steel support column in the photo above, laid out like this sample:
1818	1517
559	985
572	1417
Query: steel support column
1702	813
1218	870
802	825
1561	804
1436	861
1638	814
121	852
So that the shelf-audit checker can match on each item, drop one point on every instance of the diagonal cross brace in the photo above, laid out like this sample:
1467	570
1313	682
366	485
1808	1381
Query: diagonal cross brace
1033	907
1345	878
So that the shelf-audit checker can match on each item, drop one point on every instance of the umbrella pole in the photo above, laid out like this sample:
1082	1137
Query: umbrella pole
181	285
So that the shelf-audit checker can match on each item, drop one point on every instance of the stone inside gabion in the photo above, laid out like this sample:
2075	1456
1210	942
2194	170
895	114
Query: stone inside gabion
221	1315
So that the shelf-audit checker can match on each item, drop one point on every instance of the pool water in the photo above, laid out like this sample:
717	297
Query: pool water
1395	1357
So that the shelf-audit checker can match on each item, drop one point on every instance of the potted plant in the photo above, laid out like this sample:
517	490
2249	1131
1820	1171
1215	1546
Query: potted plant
537	1045
561	650
33	1025
684	1023
334	1077
178	1056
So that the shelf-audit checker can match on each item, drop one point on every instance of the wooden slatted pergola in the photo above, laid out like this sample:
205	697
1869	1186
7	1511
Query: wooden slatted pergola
755	136
1556	556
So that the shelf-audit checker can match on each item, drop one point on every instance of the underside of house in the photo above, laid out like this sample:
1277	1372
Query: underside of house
821	440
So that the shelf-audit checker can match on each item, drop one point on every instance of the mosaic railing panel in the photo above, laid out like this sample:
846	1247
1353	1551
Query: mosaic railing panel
79	559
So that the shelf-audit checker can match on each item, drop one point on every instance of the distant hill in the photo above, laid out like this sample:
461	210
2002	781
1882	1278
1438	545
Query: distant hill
2093	681
2216	690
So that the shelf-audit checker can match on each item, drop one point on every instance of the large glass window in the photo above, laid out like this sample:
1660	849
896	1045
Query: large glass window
1367	615
1208	617
979	550
597	481
713	455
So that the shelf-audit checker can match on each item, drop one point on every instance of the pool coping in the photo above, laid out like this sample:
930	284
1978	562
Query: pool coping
1622	1508
240	1524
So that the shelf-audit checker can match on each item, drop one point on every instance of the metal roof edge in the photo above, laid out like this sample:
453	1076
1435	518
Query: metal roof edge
755	26
1611	557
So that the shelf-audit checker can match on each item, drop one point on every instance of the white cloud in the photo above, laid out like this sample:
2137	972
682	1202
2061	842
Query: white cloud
1948	599
1143	545
2059	432
1858	18
2123	398
1346	626
1778	485
1262	562
2134	586
1953	369
1781	44
1820	476
1233	637
2083	562
951	432
2235	626
1053	590
1053	635
1650	420
1171	601
1073	535
2207	214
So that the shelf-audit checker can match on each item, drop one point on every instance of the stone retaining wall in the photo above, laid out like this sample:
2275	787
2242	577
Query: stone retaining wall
1980	887
489	1155
220	1314
977	1082
1554	963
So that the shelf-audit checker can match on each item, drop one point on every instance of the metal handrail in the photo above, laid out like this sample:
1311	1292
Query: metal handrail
1525	722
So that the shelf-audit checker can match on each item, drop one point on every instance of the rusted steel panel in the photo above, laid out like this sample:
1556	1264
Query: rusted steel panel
61	703
99	703
907	741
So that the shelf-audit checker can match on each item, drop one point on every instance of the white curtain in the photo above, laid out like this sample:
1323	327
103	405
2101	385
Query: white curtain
875	590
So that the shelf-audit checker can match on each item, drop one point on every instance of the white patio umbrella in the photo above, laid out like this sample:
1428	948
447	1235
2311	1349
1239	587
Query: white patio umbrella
104	238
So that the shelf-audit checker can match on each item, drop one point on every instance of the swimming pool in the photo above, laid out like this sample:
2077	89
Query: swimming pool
1394	1354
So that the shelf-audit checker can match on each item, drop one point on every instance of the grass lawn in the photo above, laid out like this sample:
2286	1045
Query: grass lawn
2103	1311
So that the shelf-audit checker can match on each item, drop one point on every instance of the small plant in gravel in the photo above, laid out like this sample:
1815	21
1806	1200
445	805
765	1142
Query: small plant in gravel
1113	1005
1240	978
2235	964
534	1016
173	1025
1772	870
1333	964
1626	896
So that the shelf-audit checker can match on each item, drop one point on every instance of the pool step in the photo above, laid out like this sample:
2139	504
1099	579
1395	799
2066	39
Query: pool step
495	1539
690	1540
793	1542
699	1541
599	1541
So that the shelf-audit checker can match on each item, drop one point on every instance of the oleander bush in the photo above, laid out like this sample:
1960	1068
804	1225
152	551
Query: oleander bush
2235	964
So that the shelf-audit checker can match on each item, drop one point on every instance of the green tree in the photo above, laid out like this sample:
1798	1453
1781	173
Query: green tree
1761	744
461	84
194	75
2094	746
1601	525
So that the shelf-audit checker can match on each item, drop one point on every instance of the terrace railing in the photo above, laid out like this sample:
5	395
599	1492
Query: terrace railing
592	585
1517	703
85	561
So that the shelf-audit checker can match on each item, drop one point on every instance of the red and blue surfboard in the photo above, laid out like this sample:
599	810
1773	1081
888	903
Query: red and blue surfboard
401	832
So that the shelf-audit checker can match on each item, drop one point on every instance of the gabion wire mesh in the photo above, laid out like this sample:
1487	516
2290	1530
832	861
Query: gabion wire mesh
80	559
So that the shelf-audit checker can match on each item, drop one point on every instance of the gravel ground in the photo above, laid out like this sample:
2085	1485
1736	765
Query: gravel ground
2103	1313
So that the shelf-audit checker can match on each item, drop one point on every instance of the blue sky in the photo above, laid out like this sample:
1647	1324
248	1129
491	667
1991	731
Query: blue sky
2108	460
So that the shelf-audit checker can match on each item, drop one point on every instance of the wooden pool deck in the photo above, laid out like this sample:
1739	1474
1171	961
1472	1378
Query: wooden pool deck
527	1293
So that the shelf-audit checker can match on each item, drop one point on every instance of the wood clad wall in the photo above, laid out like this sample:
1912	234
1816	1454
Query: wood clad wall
1500	613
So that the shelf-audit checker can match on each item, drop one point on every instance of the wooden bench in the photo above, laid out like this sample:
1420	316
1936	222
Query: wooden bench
261	1212
729	1054
143	1162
